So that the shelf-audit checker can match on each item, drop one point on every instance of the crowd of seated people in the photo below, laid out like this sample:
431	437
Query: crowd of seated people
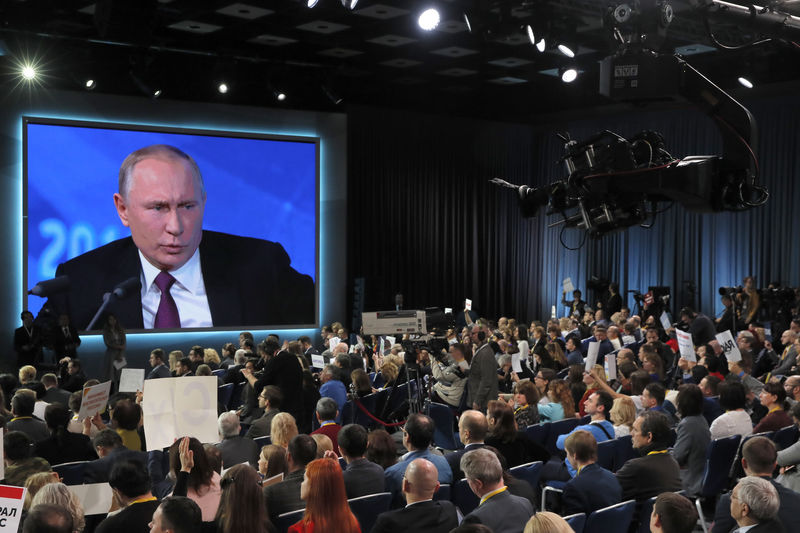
497	379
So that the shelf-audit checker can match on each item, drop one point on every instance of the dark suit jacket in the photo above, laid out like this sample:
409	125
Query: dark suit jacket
133	519
262	290
33	354
592	489
362	477
261	427
97	471
35	429
161	371
644	477
285	496
454	460
284	371
423	517
237	450
74	447
502	513
60	342
56	395
787	512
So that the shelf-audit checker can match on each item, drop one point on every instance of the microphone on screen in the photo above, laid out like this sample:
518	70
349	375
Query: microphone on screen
50	287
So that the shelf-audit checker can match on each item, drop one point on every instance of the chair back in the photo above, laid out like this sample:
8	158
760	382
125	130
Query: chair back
464	498
624	452
224	394
443	420
538	432
236	396
785	437
71	473
367	508
444	493
262	441
377	380
613	518
720	455
606	451
220	372
558	428
530	472
576	521
287	520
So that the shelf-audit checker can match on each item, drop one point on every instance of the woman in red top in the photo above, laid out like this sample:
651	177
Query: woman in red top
326	501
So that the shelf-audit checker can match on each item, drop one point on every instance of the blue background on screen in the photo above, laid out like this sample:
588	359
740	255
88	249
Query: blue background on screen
264	188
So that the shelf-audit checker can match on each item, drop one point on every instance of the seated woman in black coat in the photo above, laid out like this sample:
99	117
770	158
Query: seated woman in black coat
63	446
515	446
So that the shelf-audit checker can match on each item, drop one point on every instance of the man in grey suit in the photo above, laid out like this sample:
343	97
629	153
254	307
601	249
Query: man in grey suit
361	476
499	510
160	370
482	382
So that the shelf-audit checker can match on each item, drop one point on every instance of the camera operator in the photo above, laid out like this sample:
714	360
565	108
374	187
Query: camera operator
749	300
726	321
450	372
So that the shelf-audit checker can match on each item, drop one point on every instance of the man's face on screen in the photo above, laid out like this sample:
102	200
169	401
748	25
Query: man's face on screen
164	210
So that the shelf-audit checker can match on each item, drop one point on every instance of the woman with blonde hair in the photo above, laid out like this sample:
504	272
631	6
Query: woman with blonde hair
561	403
324	444
547	522
211	358
34	483
59	494
623	413
283	429
174	358
326	500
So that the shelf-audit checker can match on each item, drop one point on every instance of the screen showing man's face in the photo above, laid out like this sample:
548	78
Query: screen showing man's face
163	208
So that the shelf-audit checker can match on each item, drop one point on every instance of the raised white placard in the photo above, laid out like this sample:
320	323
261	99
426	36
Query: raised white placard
568	286
628	339
666	323
728	344
591	355
685	345
317	361
131	379
332	342
468	304
616	343
178	407
611	366
11	500
94	400
95	497
391	340
516	366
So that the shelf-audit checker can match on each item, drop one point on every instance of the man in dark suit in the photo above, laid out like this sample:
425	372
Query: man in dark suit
601	336
53	394
28	341
160	370
22	408
482	384
285	371
656	471
754	504
108	445
759	459
285	496
235	449
270	401
361	477
231	281
472	430
71	374
131	485
499	510
421	514
65	337
593	487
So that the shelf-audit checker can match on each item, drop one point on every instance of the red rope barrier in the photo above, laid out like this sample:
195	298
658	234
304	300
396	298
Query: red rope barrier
376	419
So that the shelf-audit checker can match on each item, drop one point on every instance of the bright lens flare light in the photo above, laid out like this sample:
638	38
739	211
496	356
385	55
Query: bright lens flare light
569	75
745	82
531	36
541	45
566	50
223	88
28	72
429	19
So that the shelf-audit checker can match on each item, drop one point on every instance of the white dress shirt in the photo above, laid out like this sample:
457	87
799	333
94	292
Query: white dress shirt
188	291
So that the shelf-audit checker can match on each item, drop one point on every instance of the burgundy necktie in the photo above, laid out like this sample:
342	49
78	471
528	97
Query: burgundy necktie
167	314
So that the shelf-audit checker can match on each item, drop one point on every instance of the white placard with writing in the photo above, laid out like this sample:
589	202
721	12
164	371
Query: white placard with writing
332	342
2	458
616	343
728	344
768	334
568	286
94	400
131	379
317	361
666	323
11	500
180	407
383	346
515	363
685	344
391	340
628	339
448	310
468	304
95	497
611	366
591	355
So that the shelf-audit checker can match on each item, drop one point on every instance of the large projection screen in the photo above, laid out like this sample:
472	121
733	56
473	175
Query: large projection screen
263	187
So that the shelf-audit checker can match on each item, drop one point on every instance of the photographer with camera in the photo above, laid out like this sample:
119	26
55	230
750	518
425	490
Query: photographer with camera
451	371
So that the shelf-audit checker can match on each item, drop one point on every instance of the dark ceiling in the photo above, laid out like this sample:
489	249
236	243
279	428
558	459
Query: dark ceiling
373	55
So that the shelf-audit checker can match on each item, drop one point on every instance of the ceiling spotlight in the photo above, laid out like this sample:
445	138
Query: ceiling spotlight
279	95
566	50
311	3
541	45
745	82
569	75
335	98
222	88
28	72
349	4
156	93
468	23
429	19
90	84
531	36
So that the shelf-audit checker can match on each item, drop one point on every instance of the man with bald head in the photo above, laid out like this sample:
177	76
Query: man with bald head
421	513
472	429
189	277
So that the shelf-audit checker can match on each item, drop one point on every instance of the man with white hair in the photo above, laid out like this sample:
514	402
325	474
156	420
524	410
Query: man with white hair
754	506
499	510
421	514
234	448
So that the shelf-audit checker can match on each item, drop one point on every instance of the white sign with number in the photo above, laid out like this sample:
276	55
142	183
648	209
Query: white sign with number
591	355
180	407
685	345
728	344
568	286
665	321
